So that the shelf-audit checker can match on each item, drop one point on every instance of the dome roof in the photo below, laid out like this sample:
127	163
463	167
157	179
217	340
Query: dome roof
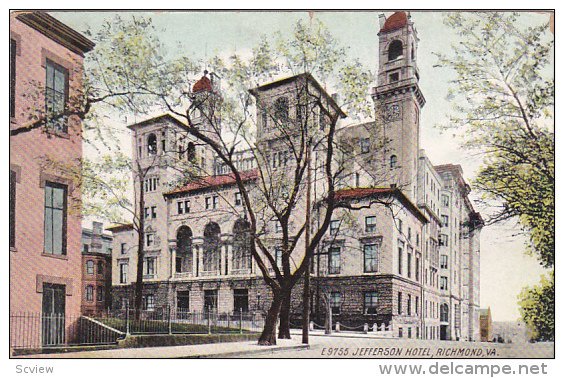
395	21
204	84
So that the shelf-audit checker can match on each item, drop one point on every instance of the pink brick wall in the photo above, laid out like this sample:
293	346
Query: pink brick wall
28	263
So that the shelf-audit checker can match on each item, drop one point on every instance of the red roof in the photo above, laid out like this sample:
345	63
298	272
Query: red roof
214	181
395	21
204	84
360	192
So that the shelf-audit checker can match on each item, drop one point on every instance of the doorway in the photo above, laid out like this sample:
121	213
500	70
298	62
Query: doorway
53	314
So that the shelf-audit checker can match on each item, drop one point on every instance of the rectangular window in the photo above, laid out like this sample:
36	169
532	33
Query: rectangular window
90	267
416	305
409	304
238	199
13	179
149	302
55	218
394	77
335	302
208	203
13	55
100	294
146	213
417	269
334	227
183	301
443	240
278	257
334	260
370	302
149	265
444	220
215	201
444	200
370	258
370	224
400	226
153	212
400	309
90	293
241	300
150	240
409	257
56	94
400	257
444	283
123	248
444	262
277	226
123	269
365	145
180	207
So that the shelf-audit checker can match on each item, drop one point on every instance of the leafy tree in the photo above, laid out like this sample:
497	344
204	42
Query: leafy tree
505	91
505	87
537	308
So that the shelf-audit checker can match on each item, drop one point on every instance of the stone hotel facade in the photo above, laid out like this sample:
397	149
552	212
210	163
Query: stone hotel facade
411	266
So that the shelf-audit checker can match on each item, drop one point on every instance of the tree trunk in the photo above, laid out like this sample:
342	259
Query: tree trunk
268	336
284	331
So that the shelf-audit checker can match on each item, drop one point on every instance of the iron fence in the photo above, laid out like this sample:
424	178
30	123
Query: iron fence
36	330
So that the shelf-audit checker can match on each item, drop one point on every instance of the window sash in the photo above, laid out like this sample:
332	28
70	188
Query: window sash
370	302
56	95
334	260
55	218
370	258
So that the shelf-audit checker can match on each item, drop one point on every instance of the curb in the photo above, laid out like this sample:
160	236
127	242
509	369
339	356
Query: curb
249	352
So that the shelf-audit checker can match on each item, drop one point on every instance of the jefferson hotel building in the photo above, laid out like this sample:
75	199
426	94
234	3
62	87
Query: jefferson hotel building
412	266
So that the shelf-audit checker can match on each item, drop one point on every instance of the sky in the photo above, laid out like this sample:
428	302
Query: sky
505	269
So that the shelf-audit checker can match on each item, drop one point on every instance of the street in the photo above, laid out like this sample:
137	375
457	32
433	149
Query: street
365	347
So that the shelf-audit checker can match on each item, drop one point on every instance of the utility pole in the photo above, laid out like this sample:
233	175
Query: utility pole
305	314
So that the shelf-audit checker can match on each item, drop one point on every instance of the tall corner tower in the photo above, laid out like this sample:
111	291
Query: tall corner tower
398	100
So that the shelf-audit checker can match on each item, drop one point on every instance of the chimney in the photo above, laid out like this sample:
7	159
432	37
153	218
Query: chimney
382	19
96	242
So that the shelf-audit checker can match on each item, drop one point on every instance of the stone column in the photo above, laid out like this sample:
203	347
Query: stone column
229	257
172	249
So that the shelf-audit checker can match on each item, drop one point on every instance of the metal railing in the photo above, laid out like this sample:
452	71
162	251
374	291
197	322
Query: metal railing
36	330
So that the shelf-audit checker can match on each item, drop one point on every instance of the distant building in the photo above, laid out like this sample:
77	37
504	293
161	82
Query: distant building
510	332
96	269
46	71
486	331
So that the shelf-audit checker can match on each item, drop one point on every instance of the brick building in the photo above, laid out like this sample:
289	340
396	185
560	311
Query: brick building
382	264
96	270
46	65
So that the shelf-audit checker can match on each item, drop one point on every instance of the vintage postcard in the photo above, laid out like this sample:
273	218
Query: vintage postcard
282	184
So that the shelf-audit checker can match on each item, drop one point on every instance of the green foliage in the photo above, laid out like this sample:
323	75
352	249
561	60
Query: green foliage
505	86
537	309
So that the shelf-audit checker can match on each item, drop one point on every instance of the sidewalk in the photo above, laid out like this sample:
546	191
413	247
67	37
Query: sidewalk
219	350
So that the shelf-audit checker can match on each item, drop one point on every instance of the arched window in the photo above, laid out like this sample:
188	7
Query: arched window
90	267
212	247
281	109
241	245
395	50
191	152
152	144
184	249
100	267
393	161
444	312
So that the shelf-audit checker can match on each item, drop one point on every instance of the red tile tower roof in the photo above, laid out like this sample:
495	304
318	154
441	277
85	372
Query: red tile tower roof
395	21
204	84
